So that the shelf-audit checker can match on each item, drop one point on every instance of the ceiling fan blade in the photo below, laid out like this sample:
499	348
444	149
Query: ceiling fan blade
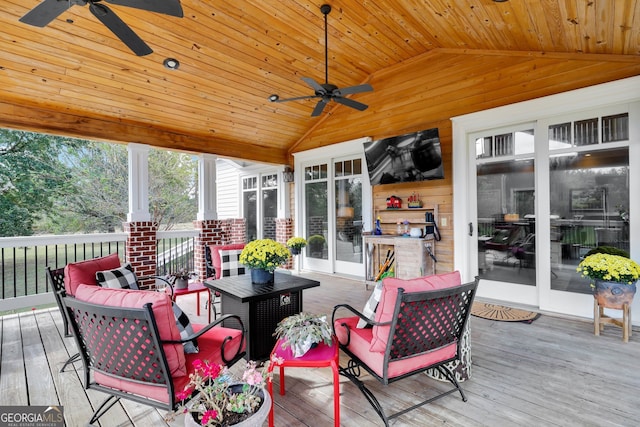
351	103
45	12
168	7
319	108
120	29
297	98
317	87
355	89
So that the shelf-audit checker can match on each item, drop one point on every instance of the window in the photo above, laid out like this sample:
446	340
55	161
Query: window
260	213
588	132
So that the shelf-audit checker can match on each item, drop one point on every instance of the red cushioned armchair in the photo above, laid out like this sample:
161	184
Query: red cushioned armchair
64	281
131	348
418	326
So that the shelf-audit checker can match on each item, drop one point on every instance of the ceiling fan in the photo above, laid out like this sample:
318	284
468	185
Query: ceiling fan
48	10
326	91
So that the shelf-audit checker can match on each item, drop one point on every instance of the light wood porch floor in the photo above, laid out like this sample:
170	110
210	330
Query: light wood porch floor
553	372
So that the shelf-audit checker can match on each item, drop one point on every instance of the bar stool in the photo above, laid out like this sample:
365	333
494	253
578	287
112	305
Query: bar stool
319	357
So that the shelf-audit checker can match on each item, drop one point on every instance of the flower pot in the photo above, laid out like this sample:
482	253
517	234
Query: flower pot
181	283
295	251
255	419
613	294
260	276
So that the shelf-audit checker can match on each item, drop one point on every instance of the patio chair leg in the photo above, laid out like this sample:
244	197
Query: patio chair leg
103	408
352	372
70	360
452	379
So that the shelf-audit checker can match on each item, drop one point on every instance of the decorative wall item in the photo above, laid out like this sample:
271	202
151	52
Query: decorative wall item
589	199
412	157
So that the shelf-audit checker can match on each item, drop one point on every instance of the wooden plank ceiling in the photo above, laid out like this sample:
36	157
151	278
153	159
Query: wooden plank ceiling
74	77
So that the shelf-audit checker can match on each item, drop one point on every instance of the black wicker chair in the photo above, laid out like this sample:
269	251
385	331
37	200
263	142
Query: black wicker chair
425	332
108	336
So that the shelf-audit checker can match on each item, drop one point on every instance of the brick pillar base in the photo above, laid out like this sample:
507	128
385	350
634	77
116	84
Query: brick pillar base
216	232
140	249
284	231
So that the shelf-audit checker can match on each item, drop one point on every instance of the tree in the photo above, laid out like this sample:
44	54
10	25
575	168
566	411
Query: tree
31	179
101	202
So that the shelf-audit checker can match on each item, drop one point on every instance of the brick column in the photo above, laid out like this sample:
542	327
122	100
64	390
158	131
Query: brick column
140	249
216	232
284	231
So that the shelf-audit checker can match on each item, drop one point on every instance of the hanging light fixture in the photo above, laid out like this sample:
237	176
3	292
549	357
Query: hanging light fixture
287	174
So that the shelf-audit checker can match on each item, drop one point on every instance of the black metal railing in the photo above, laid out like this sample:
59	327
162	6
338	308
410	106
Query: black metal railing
23	260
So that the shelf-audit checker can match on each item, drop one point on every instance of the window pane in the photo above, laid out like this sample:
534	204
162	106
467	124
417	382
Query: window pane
249	199
316	219
348	220
357	166
524	143
615	128
559	136
269	213
586	132
484	147
589	202
506	221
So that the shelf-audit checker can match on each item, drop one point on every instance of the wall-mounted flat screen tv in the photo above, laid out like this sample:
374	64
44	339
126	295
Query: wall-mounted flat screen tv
411	157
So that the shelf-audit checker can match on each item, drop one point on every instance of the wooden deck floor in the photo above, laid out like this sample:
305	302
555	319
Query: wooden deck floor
553	372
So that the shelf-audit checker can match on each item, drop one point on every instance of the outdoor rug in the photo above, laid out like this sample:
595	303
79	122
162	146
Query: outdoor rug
502	313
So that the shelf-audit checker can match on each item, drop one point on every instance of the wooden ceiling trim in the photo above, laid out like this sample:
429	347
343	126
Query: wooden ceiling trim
597	57
60	123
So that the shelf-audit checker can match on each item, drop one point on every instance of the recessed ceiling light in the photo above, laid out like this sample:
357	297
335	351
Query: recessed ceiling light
172	64
273	98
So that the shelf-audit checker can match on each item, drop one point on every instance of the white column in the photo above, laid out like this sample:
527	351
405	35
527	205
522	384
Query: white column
138	183
207	208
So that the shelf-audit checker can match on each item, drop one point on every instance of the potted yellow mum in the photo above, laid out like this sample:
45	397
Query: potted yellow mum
263	256
296	244
613	278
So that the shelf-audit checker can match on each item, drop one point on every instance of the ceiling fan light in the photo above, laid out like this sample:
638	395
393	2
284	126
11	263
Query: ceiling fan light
273	98
171	63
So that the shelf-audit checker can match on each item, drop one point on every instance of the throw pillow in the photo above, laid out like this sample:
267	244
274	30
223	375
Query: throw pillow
84	272
119	278
230	265
186	330
369	309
